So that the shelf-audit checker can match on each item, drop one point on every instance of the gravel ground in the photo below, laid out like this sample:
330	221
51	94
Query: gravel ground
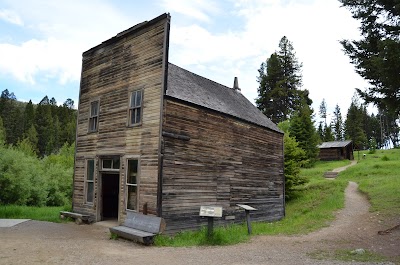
35	242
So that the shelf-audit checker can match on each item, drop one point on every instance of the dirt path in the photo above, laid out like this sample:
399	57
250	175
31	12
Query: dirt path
35	242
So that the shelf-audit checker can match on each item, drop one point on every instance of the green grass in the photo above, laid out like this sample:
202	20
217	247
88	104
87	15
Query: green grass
379	178
50	214
311	208
228	235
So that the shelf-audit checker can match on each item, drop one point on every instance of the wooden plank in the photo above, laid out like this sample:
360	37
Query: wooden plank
225	162
109	73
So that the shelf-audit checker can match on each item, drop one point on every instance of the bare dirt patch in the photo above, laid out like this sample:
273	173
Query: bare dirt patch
36	242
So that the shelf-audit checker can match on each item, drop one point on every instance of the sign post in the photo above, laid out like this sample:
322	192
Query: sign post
247	209
210	212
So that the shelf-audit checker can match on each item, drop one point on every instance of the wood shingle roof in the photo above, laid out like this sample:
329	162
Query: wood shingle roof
195	89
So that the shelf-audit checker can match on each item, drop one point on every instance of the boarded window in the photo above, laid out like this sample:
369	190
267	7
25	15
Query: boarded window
135	107
94	116
89	181
132	184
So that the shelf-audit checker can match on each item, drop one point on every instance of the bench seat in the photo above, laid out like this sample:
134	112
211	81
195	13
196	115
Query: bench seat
140	228
133	234
79	218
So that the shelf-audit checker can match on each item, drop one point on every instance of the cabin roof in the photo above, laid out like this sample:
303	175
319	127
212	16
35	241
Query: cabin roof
198	90
334	144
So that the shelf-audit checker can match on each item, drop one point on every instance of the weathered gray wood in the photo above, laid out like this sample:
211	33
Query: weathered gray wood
134	60
79	218
133	234
225	162
140	228
147	223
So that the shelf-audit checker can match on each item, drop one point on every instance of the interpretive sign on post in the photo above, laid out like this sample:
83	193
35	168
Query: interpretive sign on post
210	212
247	209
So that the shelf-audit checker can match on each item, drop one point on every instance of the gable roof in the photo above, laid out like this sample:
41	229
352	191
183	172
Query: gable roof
334	144
195	89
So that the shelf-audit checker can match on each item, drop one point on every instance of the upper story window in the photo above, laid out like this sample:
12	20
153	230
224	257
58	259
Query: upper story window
94	116
135	108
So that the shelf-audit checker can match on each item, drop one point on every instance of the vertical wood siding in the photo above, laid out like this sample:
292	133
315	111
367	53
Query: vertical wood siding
109	73
225	162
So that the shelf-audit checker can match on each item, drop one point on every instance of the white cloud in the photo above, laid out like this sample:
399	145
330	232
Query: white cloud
197	9
63	31
26	61
11	17
314	27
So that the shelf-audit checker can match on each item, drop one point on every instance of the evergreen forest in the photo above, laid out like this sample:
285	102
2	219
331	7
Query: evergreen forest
37	146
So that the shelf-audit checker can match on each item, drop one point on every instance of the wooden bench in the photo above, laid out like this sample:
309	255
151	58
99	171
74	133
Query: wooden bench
79	218
140	228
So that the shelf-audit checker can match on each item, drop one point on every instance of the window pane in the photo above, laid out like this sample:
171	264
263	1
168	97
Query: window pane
107	163
132	171
138	111
131	116
132	198
90	170
94	108
93	124
115	164
138	98
89	192
132	103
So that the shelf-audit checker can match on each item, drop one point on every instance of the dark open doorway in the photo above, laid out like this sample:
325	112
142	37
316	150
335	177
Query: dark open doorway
110	191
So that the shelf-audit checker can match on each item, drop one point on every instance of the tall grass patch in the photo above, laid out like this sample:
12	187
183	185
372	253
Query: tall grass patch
50	214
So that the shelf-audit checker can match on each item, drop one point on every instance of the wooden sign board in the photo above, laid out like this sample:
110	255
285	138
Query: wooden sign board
246	207
210	211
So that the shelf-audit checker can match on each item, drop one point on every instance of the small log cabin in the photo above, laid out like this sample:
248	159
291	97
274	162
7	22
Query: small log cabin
156	139
337	150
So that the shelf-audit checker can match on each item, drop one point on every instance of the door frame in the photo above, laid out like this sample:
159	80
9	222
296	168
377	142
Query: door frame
101	171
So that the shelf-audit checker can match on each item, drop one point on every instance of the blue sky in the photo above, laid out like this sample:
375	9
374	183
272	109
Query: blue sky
42	41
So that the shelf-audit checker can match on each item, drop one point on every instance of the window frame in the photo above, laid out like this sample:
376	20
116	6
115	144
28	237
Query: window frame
137	185
91	116
133	109
89	181
112	158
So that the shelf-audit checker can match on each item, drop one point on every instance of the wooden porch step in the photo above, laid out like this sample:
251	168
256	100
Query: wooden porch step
330	174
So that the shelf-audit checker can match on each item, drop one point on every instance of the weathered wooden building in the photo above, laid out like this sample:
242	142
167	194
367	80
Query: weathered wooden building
153	138
337	150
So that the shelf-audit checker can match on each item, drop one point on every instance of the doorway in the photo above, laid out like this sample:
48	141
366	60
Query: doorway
110	195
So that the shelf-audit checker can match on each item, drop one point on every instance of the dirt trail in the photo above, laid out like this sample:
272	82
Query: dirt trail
35	242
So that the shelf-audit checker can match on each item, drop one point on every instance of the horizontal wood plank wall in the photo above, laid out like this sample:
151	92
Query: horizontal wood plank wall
225	162
330	154
109	74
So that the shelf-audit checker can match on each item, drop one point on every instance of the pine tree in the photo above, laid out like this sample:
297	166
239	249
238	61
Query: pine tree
302	128
320	132
280	81
322	110
328	135
376	56
44	127
12	117
29	116
354	128
337	124
2	133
